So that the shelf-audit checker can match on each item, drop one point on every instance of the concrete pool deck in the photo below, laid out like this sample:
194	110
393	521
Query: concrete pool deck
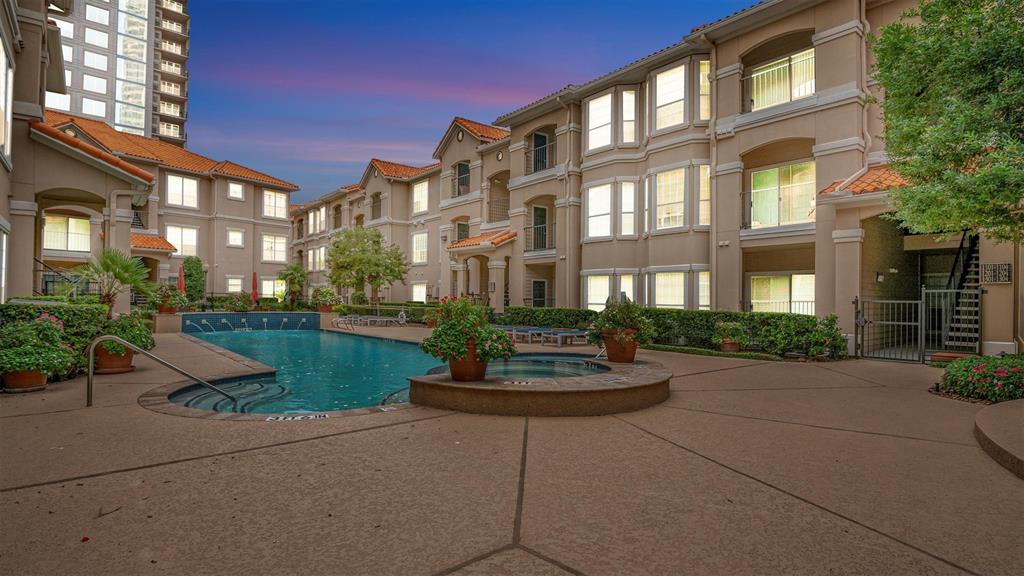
749	467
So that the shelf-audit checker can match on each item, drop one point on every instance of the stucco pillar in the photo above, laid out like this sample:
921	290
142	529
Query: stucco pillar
153	214
997	300
496	278
517	267
96	235
460	280
119	218
22	246
473	271
727	272
845	284
826	264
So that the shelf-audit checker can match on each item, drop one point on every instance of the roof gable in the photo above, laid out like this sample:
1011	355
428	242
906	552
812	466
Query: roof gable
484	133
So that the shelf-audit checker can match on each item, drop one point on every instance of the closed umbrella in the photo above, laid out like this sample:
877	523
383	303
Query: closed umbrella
181	280
255	288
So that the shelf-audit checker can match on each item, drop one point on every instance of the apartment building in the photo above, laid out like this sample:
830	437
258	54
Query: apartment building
125	63
742	168
73	185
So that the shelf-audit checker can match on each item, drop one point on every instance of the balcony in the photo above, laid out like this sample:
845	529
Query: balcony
539	238
497	207
173	27
173	6
539	158
139	218
460	186
792	306
784	80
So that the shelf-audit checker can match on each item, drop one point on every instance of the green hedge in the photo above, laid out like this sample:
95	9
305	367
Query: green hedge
413	311
993	378
81	322
718	353
547	317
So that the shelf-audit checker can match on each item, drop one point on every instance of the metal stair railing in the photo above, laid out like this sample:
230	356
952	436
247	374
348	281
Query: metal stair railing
162	362
74	282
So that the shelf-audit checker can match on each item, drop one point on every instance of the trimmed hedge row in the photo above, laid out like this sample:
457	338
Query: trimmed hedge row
81	322
413	312
717	353
773	332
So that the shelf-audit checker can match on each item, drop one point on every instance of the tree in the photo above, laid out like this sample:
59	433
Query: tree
195	280
954	116
358	257
294	277
114	272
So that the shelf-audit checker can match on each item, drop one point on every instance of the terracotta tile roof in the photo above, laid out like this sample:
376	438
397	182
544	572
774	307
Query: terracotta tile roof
157	151
91	150
493	238
151	242
482	131
876	179
396	170
229	168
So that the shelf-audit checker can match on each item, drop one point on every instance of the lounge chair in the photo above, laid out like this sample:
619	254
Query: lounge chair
562	335
399	320
344	323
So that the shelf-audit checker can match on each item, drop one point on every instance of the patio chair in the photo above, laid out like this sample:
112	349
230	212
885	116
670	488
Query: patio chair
562	335
399	320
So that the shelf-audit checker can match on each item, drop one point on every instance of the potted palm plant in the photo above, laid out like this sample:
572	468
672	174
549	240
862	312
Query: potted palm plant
324	299
113	273
32	351
621	327
114	358
466	340
730	336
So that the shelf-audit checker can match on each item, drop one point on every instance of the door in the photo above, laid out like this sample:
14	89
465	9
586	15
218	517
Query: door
540	227
540	152
538	293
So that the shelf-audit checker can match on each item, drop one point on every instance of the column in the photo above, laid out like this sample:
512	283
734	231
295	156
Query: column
460	279
844	285
496	278
22	246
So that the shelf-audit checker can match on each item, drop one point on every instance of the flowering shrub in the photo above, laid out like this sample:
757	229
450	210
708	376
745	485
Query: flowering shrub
37	346
324	296
459	320
130	327
168	295
994	378
618	317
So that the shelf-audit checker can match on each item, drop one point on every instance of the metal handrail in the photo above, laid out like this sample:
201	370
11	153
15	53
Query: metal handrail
125	343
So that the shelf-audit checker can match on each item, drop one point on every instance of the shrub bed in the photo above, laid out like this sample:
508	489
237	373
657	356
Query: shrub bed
548	317
706	352
81	323
993	378
413	312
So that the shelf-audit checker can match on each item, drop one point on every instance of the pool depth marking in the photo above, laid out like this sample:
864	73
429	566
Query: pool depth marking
292	417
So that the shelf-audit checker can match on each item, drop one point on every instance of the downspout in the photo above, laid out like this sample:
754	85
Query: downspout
864	78
712	171
565	193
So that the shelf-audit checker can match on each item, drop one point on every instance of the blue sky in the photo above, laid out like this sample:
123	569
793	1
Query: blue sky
310	90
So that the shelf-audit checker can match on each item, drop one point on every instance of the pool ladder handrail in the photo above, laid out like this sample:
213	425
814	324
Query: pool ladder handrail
161	361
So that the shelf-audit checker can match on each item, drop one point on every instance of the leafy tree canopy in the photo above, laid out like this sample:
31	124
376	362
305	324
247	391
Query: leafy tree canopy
953	74
294	277
358	257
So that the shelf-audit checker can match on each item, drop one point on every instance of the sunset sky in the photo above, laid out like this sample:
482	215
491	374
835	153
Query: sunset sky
309	90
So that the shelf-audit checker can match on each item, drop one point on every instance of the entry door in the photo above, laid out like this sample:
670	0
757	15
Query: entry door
538	293
540	152
540	227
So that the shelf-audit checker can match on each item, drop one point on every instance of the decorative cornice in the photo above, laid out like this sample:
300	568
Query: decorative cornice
849	235
851	27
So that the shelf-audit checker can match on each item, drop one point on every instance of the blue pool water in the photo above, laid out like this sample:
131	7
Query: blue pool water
322	371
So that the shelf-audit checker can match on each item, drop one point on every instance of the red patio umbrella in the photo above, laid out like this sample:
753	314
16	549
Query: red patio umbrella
181	280
255	288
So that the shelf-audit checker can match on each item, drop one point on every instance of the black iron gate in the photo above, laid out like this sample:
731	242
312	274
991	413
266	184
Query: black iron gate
911	330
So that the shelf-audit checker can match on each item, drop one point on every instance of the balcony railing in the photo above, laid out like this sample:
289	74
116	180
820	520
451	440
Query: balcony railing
139	218
539	302
782	81
540	237
794	306
174	6
497	207
460	186
540	158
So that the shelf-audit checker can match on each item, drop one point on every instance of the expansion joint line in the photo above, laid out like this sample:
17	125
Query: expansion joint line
800	498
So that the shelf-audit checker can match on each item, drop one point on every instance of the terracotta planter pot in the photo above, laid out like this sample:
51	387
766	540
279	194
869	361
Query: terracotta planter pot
24	381
107	363
624	352
470	368
730	346
432	323
323	309
164	309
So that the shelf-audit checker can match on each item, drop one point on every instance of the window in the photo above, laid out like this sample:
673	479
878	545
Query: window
182	191
127	24
627	208
670	198
419	196
137	7
185	239
272	288
275	248
67	29
628	116
315	259
133	116
704	195
170	108
599	119
783	195
7	100
131	70
236	191
782	293
781	81
704	290
419	292
132	48
599	211
58	101
275	204
3	266
316	220
375	207
64	233
68	51
597	292
670	290
94	107
169	129
97	15
704	71
461	230
461	178
97	38
94	84
170	88
172	67
419	248
234	284
670	97
94	60
236	237
626	290
172	47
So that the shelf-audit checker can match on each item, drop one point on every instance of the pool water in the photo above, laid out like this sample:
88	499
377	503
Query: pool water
321	371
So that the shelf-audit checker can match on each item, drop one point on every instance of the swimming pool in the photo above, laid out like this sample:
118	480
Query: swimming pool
319	371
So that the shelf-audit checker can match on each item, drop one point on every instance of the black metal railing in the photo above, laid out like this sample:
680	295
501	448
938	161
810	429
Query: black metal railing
139	218
540	237
539	158
460	185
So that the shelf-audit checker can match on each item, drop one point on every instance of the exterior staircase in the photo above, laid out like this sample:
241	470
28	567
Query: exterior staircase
964	330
